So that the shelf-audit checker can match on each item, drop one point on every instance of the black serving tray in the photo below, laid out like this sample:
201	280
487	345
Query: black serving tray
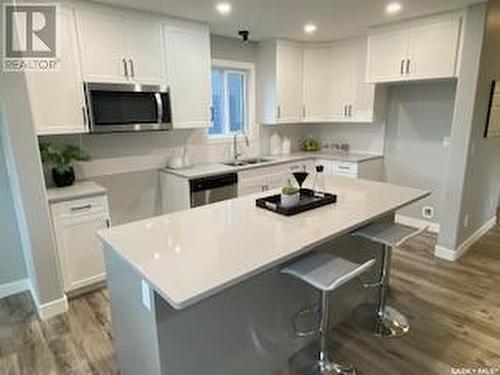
309	200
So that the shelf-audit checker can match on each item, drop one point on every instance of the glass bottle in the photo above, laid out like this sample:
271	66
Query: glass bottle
319	179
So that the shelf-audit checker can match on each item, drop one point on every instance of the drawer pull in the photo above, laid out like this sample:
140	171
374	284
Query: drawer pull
80	208
344	168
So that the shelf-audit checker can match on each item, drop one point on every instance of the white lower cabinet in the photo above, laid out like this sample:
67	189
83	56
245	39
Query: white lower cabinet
269	178
368	169
76	223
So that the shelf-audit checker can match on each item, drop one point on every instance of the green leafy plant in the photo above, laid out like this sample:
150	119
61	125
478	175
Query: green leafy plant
61	159
290	189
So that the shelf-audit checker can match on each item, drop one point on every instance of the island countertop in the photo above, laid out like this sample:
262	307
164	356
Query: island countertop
190	255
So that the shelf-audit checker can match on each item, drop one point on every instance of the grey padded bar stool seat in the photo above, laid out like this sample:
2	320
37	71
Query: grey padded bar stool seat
389	322
327	272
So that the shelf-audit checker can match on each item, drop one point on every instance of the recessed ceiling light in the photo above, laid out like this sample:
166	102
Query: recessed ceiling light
223	8
393	8
310	28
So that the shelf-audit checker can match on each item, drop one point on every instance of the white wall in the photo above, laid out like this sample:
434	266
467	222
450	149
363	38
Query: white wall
26	183
452	228
418	122
482	180
12	267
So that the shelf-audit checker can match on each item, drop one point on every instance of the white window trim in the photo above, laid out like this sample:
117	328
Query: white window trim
250	95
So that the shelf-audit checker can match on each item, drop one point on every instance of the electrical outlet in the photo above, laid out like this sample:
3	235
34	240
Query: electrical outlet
428	212
466	220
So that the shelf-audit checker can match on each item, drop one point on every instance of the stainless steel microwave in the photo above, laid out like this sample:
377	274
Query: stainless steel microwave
115	107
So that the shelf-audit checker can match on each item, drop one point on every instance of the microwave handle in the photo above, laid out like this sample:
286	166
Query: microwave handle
159	107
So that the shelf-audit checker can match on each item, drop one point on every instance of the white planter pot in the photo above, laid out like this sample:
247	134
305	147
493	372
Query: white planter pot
290	200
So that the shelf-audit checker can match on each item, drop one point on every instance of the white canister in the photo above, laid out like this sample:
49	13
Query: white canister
275	144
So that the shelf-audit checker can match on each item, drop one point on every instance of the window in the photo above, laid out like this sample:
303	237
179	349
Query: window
229	101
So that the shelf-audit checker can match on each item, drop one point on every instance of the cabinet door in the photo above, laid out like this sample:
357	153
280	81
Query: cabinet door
433	48
328	166
252	186
363	94
188	70
278	180
315	84
144	42
102	47
63	110
340	82
79	249
289	83
387	52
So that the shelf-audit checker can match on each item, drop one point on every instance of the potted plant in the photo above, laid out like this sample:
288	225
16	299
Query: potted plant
290	195
61	162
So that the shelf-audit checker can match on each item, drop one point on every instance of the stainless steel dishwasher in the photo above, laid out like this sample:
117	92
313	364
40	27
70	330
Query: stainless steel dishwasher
205	190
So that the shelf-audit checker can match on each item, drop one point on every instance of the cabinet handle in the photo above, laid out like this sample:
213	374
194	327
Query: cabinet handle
132	70
278	111
402	68
125	68
80	208
345	111
212	116
303	111
108	223
408	66
349	110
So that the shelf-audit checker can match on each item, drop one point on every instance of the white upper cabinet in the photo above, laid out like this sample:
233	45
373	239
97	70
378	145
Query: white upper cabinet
188	68
102	47
61	111
289	81
118	47
145	51
316	86
386	60
432	49
280	82
416	50
334	87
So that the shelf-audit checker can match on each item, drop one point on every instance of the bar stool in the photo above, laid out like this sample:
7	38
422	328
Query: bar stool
389	322
326	272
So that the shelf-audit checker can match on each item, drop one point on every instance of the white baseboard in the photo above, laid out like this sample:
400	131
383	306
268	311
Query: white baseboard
454	254
417	223
52	308
49	309
14	287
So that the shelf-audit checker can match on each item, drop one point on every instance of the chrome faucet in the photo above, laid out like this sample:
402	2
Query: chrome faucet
236	153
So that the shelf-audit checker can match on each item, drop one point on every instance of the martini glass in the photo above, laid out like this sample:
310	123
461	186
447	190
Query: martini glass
300	177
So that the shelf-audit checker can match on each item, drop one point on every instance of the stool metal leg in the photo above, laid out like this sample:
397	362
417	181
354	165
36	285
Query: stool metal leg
390	322
326	365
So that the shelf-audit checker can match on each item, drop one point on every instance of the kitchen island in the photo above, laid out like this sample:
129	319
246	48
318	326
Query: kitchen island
200	292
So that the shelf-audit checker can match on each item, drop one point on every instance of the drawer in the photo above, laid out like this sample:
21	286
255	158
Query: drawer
80	206
346	168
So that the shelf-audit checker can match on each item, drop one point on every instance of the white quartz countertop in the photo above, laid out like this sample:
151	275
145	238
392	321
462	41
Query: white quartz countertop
79	189
190	255
210	169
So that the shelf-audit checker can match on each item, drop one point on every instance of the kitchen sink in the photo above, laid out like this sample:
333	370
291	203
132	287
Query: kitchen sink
250	161
235	163
256	160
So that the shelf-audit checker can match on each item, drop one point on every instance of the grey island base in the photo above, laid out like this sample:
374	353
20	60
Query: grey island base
200	291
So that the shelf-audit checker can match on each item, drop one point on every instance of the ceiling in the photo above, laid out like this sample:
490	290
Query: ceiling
335	19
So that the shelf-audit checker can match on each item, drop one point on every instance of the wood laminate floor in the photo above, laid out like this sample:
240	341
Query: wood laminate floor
453	308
